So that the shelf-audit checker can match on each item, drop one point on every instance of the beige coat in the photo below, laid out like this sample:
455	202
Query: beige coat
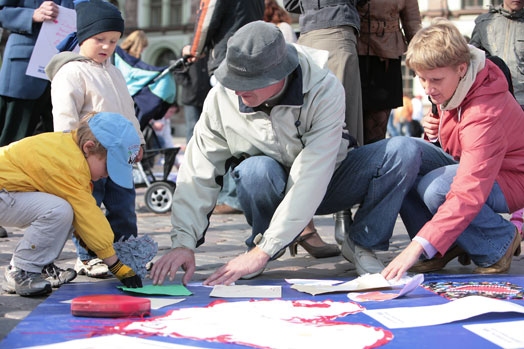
387	26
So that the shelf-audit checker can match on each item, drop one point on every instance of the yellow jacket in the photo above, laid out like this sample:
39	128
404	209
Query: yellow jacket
53	163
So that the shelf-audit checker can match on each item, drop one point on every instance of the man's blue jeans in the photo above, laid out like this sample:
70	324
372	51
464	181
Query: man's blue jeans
488	236
120	211
377	176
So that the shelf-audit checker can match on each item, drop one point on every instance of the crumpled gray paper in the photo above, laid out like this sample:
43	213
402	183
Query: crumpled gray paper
136	252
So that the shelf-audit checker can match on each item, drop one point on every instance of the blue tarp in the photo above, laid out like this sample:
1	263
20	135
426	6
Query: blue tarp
36	329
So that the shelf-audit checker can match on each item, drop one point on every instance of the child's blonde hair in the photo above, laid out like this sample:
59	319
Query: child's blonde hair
436	46
84	134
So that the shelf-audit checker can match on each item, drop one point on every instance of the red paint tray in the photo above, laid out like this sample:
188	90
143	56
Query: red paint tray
107	305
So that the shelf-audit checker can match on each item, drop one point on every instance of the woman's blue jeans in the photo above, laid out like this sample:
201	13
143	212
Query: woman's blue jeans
488	236
120	211
377	176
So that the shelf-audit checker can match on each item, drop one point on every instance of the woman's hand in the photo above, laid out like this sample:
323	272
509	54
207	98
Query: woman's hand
48	11
430	122
403	262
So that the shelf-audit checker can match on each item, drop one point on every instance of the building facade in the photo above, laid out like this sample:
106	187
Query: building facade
169	26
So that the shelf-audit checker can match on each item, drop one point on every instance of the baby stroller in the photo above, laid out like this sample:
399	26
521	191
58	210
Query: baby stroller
153	90
160	187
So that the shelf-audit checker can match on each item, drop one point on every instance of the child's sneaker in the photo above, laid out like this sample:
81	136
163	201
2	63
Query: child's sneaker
25	283
94	268
58	276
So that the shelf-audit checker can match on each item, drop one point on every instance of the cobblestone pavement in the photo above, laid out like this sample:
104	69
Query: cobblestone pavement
224	240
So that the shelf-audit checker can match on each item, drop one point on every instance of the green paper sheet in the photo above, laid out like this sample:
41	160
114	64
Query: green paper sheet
163	290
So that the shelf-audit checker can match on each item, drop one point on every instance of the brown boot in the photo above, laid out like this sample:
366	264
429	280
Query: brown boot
504	263
436	264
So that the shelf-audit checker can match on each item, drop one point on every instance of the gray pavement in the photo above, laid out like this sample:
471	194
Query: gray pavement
224	240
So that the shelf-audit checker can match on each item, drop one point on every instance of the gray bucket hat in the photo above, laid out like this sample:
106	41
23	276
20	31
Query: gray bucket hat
257	56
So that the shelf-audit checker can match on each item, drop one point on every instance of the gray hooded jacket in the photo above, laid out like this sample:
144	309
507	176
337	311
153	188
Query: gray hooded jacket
501	33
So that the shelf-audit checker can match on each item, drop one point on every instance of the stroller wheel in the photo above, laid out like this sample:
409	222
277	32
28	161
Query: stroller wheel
159	197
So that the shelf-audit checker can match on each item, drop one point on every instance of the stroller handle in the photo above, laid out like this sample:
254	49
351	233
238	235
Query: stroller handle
179	63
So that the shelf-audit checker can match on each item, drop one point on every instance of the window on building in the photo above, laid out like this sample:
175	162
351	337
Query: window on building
156	12
175	12
468	4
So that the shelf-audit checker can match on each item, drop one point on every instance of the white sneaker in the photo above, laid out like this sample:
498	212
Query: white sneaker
366	261
95	268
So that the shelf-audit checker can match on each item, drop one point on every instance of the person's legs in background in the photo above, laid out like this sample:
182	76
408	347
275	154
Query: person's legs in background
19	119
341	43
191	116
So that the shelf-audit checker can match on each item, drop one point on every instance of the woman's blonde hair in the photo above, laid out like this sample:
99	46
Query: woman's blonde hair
135	43
84	134
436	46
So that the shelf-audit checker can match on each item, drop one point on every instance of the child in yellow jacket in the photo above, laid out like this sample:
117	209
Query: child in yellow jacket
45	185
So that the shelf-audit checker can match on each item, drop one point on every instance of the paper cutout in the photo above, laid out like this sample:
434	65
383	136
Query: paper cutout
492	289
382	296
157	303
246	291
508	335
460	309
275	323
162	290
362	283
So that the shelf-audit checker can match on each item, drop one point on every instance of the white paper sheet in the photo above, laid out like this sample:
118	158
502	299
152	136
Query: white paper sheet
51	34
313	282
383	296
113	341
460	309
157	303
508	335
362	283
246	291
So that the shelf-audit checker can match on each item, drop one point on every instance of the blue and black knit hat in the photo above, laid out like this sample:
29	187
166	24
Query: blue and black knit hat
96	16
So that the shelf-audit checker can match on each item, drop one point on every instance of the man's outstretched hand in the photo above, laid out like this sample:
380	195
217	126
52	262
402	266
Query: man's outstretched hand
168	264
245	264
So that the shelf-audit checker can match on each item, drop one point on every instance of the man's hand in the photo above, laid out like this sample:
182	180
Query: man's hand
48	11
405	260
169	263
186	52
244	264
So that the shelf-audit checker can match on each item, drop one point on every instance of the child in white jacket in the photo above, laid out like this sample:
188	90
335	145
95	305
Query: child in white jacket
86	82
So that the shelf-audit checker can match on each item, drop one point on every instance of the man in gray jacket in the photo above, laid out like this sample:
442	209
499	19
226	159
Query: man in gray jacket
500	33
278	114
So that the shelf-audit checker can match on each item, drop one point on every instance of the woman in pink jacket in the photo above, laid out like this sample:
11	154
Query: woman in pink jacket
477	173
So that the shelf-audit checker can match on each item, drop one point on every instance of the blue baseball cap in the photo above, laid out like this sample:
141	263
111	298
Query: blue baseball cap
120	138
